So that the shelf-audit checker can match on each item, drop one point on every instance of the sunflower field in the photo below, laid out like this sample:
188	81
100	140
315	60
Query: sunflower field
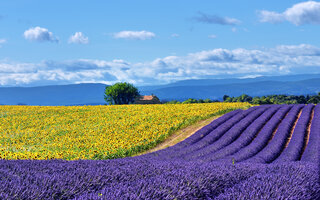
95	132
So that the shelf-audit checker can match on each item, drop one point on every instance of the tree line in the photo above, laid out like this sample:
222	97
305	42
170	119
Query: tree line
275	99
190	101
125	93
270	99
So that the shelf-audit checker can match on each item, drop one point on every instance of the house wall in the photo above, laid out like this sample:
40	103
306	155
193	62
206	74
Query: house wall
147	102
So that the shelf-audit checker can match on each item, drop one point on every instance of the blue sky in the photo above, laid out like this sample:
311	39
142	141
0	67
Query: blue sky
155	42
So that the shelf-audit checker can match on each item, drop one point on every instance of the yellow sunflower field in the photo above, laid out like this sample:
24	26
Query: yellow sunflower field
95	132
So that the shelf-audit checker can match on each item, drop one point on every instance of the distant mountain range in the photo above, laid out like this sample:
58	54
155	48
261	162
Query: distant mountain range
77	94
93	94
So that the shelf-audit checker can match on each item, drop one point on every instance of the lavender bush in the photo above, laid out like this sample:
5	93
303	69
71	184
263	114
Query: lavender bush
227	138
312	151
297	143
247	136
210	138
276	145
261	140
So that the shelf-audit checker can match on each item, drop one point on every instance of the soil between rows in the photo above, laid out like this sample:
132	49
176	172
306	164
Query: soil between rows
181	135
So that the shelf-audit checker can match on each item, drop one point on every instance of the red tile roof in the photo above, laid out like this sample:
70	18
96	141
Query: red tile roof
149	97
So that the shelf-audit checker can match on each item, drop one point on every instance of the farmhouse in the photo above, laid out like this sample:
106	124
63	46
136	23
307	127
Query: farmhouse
149	99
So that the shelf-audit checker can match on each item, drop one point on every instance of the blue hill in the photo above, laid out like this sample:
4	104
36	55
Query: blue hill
77	94
93	94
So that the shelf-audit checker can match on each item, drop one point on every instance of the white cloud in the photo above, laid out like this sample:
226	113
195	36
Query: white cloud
298	50
134	35
212	36
215	63
2	41
175	35
215	19
299	14
272	17
78	38
39	34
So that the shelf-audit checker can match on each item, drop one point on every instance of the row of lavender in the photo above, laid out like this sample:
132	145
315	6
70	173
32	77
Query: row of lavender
263	134
265	152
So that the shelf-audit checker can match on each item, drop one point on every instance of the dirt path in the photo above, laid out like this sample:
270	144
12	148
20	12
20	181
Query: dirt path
180	135
292	129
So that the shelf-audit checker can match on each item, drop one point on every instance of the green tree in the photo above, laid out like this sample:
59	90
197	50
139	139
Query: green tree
207	101
121	93
190	101
244	98
256	100
225	97
314	100
173	102
228	99
301	99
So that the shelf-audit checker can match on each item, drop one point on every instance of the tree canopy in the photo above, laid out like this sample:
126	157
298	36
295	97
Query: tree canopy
275	99
121	93
192	101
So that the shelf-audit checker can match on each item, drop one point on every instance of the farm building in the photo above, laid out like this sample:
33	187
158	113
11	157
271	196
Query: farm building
148	99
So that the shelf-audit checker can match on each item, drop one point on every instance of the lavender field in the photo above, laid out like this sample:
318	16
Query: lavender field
265	152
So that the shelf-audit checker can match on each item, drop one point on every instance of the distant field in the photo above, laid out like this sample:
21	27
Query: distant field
94	132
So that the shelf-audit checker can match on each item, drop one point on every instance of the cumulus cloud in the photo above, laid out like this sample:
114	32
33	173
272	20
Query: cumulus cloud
215	19
2	41
298	50
40	35
78	38
269	16
134	35
214	63
299	14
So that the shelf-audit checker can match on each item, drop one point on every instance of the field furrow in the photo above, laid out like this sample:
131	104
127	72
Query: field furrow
293	150
197	136
227	138
307	136
213	136
312	152
277	144
261	140
247	136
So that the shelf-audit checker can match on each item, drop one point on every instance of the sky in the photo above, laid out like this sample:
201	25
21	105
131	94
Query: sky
155	42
